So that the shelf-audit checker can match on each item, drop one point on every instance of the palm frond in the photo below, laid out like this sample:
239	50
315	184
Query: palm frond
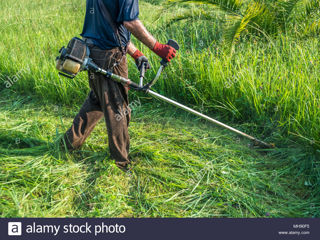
285	10
234	32
311	6
257	17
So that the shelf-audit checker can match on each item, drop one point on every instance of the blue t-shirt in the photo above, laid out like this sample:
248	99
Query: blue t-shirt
99	30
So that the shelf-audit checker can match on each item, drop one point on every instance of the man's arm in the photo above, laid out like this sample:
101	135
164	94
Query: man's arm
131	48
137	28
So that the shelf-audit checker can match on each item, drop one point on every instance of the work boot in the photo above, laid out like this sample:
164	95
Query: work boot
125	167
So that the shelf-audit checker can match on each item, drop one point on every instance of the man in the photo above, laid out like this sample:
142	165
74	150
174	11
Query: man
107	29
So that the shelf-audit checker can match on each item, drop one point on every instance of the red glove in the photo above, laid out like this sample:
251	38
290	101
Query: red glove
140	59
137	54
164	51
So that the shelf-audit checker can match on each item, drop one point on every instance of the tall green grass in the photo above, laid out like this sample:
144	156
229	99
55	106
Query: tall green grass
32	33
273	83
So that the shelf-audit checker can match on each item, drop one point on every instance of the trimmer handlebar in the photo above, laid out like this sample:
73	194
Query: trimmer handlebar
90	65
163	63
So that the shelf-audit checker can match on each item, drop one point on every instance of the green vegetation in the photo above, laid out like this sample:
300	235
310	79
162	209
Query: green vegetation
259	17
267	85
184	168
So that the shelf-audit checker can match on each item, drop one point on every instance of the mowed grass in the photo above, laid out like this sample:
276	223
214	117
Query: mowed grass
185	168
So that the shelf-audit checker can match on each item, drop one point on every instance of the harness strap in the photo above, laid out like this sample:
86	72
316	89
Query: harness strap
106	14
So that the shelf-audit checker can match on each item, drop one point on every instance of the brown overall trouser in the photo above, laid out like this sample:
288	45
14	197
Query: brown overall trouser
106	98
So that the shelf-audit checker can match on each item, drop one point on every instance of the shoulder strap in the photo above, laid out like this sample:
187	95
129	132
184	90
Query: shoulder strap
108	18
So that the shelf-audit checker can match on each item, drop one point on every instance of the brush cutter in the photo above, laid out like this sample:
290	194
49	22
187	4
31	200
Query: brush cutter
70	66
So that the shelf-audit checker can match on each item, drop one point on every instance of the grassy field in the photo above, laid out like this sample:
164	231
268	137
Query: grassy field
273	84
186	167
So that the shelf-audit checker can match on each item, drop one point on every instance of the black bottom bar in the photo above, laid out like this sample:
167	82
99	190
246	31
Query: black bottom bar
160	229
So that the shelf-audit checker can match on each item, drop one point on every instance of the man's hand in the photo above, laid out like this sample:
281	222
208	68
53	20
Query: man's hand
140	60
141	33
138	56
164	51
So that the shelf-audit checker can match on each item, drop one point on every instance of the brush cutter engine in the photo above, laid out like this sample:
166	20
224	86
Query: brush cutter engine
73	58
